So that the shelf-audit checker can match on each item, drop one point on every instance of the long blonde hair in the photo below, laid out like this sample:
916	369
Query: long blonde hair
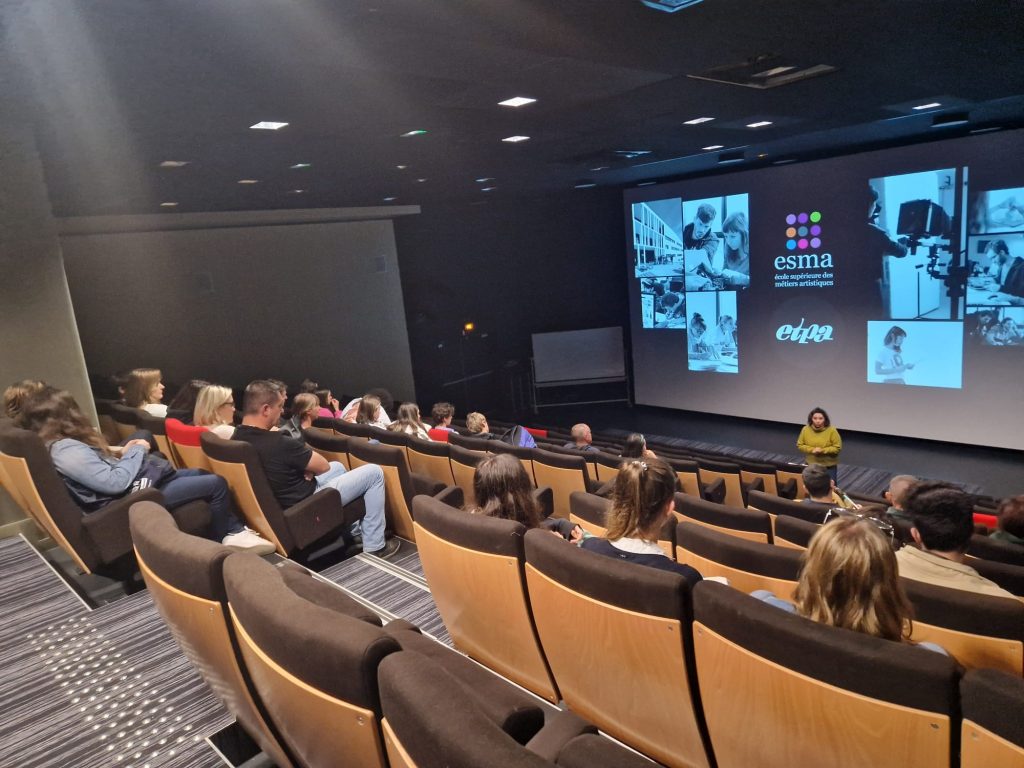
642	488
208	402
850	579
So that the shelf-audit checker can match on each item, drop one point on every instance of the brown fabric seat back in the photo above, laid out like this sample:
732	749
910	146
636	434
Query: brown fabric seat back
744	523
332	447
993	729
810	511
794	532
397	482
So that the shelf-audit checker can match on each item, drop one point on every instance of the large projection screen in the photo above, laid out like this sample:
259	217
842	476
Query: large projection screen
594	354
886	287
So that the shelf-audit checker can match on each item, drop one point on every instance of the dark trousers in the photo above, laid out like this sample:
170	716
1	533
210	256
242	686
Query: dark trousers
199	485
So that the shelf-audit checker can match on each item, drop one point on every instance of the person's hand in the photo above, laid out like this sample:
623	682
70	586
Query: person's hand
137	441
334	404
577	535
817	450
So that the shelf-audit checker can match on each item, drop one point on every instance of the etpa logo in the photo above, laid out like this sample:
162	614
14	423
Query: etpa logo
803	335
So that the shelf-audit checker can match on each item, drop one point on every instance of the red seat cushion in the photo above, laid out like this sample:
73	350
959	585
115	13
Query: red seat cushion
183	434
438	434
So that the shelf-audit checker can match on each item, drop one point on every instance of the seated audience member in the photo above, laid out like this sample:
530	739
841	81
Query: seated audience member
821	488
898	488
441	415
476	425
95	475
943	522
144	389
15	394
1010	521
635	447
215	410
582	438
351	411
849	579
642	502
503	489
183	406
329	408
370	412
295	472
409	422
305	408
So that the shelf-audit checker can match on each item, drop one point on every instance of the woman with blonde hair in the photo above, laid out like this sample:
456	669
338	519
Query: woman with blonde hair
642	502
305	408
370	412
144	389
850	579
215	410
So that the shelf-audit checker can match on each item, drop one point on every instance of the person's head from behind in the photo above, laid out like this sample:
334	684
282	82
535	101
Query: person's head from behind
441	414
369	410
387	402
942	514
850	579
642	499
697	324
409	413
818	419
702	220
214	405
324	396
187	395
898	488
308	386
54	414
581	434
634	446
143	386
737	238
503	489
998	252
1011	516
894	338
817	481
263	403
305	407
476	423
17	392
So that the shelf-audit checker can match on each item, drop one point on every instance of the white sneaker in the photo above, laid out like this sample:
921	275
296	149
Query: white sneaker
247	540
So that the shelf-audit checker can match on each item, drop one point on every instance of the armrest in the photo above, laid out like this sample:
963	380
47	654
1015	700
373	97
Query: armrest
593	485
787	489
557	732
425	484
107	528
453	496
314	517
757	484
714	491
545	499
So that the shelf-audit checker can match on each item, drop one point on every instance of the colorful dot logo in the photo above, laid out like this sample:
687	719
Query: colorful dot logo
803	230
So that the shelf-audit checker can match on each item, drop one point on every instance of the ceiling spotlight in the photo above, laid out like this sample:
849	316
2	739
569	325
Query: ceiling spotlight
401	167
929	105
173	163
487	189
168	205
713	146
759	124
390	199
267	125
295	191
515	139
516	101
485	179
585	185
417	132
698	120
601	168
248	181
949	120
300	166
420	180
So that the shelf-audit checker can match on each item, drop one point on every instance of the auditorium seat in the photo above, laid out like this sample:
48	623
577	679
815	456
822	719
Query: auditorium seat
400	484
606	465
751	470
185	577
786	473
126	419
185	445
441	435
629	670
295	530
392	437
333	447
987	548
351	429
97	542
748	524
463	464
781	691
810	511
794	532
992	734
430	457
588	511
419	734
323	425
688	472
157	427
105	414
729	473
471	442
474	567
748	565
525	455
1009	577
980	631
563	474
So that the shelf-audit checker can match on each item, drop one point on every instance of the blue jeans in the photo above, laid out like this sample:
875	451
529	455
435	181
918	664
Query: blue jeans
198	484
366	481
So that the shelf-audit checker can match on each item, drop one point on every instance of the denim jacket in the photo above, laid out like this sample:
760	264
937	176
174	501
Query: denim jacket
93	477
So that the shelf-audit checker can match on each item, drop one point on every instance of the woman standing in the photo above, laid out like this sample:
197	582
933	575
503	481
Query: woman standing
820	442
889	362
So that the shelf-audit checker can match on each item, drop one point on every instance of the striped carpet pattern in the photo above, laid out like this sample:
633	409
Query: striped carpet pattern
94	688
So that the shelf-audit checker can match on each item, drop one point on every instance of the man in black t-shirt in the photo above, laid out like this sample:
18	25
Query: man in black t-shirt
295	472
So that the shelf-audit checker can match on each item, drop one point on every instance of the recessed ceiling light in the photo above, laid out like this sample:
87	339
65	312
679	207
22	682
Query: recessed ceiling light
248	181
168	205
485	179
267	125
401	167
516	101
759	124
299	166
390	199
295	191
762	155
515	139
586	185
420	180
698	120
417	132
929	105
487	189
601	168
713	146
173	163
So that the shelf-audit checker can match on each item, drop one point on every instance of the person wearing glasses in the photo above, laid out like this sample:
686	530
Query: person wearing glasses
215	410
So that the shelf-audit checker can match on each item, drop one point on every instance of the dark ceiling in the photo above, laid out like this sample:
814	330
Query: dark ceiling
114	87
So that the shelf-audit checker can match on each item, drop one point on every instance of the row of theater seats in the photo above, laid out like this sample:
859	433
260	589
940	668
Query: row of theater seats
711	676
316	680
